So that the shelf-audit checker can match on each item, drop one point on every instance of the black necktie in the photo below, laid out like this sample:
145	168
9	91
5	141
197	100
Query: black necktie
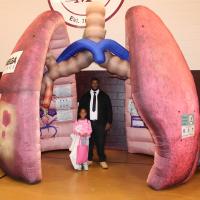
94	102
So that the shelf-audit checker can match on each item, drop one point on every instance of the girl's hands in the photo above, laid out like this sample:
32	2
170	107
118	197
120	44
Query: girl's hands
83	134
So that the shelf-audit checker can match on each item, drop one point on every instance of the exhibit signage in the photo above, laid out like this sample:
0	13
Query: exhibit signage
12	62
73	11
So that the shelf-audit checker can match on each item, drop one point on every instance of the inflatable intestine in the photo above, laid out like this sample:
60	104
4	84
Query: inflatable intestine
160	85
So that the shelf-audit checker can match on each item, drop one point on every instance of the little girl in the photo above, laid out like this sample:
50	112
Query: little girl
81	133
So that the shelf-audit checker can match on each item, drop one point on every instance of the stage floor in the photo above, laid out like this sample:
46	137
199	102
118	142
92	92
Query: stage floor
124	180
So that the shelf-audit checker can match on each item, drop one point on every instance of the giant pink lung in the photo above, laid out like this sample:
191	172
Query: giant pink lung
20	151
164	93
162	87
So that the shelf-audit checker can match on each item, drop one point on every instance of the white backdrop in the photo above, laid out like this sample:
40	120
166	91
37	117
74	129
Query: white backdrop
181	16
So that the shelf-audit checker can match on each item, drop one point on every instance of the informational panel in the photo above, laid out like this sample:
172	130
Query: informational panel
181	17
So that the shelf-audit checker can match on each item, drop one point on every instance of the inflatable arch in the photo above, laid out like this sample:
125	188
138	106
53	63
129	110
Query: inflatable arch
160	84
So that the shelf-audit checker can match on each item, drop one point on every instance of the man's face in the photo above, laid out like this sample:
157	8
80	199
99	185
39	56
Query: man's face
95	85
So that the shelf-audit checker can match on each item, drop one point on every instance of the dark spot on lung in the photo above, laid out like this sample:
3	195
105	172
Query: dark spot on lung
6	118
3	134
34	35
142	26
179	111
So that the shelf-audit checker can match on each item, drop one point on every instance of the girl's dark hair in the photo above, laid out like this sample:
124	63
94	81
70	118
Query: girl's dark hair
79	110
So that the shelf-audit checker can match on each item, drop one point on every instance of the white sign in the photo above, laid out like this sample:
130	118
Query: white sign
62	90
188	128
131	108
64	115
138	124
63	103
12	62
74	11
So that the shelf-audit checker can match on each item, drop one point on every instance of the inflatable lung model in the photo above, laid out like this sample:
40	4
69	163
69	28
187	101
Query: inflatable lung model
161	88
138	138
20	85
165	96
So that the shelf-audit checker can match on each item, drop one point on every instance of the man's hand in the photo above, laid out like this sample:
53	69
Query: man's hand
108	127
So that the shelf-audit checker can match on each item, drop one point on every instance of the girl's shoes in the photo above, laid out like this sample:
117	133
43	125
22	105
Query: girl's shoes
82	167
85	167
79	168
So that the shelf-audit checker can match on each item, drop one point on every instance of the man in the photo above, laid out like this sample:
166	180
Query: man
99	108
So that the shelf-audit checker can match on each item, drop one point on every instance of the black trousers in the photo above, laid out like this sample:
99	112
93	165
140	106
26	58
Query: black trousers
97	138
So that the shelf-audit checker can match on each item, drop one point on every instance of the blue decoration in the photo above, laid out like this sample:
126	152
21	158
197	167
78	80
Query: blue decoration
97	49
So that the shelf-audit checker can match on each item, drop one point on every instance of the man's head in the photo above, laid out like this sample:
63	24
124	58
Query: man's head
95	84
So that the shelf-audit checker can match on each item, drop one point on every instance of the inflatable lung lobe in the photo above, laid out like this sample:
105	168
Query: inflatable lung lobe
20	153
165	96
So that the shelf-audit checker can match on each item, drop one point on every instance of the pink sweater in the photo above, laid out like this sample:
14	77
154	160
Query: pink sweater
82	127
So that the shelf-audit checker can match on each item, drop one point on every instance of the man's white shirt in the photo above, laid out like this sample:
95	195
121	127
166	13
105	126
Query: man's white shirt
94	115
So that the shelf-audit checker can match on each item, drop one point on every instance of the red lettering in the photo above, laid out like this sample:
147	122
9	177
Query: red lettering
82	1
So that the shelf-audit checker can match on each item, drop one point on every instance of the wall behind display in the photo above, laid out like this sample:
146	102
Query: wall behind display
181	16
